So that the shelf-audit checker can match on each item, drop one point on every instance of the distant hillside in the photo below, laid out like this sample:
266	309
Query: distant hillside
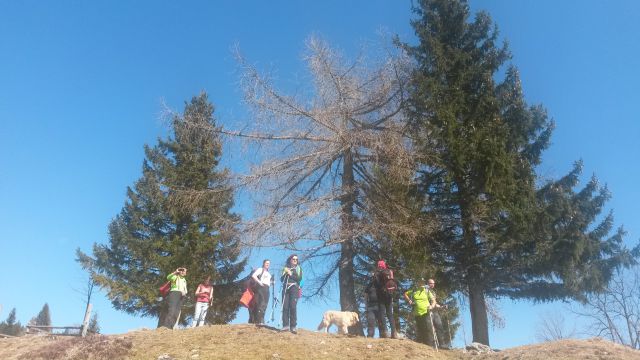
250	342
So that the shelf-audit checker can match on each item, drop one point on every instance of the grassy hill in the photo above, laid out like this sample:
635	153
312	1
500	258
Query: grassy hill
250	342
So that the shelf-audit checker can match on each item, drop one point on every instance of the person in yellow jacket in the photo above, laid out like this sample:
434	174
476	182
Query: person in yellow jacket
176	297
421	299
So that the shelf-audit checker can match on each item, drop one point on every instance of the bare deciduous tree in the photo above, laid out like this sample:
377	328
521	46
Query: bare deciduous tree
319	149
552	326
615	312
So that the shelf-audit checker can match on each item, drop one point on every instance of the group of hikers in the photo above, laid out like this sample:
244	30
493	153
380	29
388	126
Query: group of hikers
259	283
379	295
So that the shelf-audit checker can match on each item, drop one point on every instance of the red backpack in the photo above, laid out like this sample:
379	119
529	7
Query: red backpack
387	282
164	289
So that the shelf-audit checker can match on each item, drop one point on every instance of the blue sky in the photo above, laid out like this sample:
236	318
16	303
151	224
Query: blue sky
82	86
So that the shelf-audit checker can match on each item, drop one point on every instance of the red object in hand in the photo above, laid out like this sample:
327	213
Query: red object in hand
246	299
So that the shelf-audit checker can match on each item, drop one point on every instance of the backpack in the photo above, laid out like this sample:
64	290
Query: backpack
247	281
164	289
387	282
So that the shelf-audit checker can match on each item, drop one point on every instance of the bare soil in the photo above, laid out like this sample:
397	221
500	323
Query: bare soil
251	342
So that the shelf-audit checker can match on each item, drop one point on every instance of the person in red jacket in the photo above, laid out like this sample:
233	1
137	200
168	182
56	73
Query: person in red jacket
204	299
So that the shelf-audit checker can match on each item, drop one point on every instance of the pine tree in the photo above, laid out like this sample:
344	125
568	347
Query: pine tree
177	215
11	326
44	317
94	327
394	210
479	143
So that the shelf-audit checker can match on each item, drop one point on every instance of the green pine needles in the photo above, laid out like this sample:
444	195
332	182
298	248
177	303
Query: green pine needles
177	214
503	230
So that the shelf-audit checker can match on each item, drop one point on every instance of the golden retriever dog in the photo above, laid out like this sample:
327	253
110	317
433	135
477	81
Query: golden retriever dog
341	319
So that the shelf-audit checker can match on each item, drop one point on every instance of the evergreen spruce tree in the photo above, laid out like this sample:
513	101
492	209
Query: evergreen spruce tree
94	327
479	143
11	326
394	208
44	317
177	215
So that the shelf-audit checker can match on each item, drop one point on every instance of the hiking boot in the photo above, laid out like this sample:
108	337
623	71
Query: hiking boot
293	330
285	328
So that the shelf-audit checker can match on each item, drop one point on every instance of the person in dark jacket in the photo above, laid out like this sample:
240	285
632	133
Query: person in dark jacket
385	299
374	313
292	289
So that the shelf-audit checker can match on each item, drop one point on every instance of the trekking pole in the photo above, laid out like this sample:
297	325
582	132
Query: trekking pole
284	291
274	300
433	329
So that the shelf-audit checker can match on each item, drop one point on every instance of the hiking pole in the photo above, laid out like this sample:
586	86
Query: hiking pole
284	291
433	329
274	300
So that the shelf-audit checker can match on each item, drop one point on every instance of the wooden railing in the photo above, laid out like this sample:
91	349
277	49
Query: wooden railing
78	330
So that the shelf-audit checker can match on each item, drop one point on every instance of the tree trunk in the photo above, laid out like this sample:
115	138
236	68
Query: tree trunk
478	307
477	304
348	300
162	312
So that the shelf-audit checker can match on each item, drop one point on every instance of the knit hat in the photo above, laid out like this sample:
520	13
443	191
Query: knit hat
382	264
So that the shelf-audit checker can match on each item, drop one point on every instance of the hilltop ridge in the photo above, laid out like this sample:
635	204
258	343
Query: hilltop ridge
251	342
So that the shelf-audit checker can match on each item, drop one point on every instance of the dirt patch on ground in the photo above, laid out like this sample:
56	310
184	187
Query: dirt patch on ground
250	342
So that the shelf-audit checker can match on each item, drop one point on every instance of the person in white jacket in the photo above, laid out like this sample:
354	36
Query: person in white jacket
261	279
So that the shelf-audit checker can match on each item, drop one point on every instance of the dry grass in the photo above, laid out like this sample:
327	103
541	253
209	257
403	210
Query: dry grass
250	342
590	349
64	347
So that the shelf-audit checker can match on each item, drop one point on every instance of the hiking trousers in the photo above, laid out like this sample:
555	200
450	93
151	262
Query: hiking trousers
289	307
200	314
374	318
261	296
441	331
386	310
422	329
174	305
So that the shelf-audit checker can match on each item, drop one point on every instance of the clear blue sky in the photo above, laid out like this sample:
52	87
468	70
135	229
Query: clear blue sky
82	86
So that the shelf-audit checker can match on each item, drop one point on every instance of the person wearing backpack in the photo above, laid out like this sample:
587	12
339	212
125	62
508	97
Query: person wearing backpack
260	279
291	289
386	286
176	297
420	298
